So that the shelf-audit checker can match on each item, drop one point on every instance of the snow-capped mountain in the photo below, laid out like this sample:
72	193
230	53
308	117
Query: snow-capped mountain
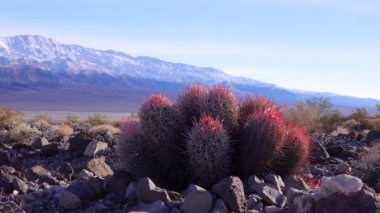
40	73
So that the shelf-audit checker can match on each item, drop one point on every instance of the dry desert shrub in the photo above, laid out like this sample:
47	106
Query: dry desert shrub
9	118
368	166
23	133
72	120
105	128
42	121
63	130
96	119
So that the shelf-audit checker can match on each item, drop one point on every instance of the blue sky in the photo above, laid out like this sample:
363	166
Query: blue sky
316	45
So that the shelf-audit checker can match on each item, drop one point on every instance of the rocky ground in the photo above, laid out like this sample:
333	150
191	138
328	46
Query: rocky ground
81	173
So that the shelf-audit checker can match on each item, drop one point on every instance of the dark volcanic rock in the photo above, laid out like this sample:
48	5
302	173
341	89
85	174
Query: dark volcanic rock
319	153
79	143
83	190
372	135
118	183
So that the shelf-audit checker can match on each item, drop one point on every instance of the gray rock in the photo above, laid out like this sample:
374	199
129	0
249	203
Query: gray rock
68	200
118	183
254	203
276	181
220	207
99	167
304	203
372	135
85	174
293	193
79	143
83	190
231	190
344	184
94	148
20	185
319	153
155	207
41	143
39	172
197	200
251	181
292	181
272	209
130	193
343	168
6	183
148	192
271	195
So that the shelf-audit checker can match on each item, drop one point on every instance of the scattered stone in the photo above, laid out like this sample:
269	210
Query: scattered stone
367	200
99	167
94	148
130	193
118	183
340	184
79	143
85	174
7	169
293	193
319	153
335	150
276	181
6	183
41	143
20	185
231	190
220	207
39	172
49	150
273	209
156	206
292	181
197	200
343	168
254	203
251	182
68	200
3	157
372	136
66	170
270	195
97	185
148	192
83	190
304	203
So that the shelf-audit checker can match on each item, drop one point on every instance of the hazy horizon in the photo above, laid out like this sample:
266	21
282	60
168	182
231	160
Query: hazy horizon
323	46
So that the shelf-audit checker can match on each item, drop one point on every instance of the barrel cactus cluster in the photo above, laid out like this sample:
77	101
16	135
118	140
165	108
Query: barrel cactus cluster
206	135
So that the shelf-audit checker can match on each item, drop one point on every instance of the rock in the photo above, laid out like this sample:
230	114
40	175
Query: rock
148	192
231	190
340	184
352	135
49	150
319	153
83	190
343	168
254	203
275	180
349	154
304	203
197	200
7	169
270	195
85	174
66	170
335	150
99	167
372	136
3	157
97	185
220	207
68	200
367	200
118	183
292	181
79	143
273	209
41	143
155	207
6	183
337	202
252	180
374	142
19	185
39	172
359	137
94	148
130	193
293	193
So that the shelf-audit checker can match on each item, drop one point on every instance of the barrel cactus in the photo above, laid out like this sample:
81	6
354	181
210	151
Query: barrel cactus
253	104
222	104
190	103
260	142
208	150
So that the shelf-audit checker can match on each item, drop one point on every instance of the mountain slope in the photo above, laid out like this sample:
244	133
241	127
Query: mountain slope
40	73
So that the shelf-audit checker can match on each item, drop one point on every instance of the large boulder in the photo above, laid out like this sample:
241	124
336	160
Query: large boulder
231	190
197	200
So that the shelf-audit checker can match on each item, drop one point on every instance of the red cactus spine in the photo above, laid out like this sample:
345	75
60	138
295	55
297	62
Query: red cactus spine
190	103
222	104
295	152
260	143
208	150
254	104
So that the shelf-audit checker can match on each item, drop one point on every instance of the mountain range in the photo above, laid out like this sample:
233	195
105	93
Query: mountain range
39	73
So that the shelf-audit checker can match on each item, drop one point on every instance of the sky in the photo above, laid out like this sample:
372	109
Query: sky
313	45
